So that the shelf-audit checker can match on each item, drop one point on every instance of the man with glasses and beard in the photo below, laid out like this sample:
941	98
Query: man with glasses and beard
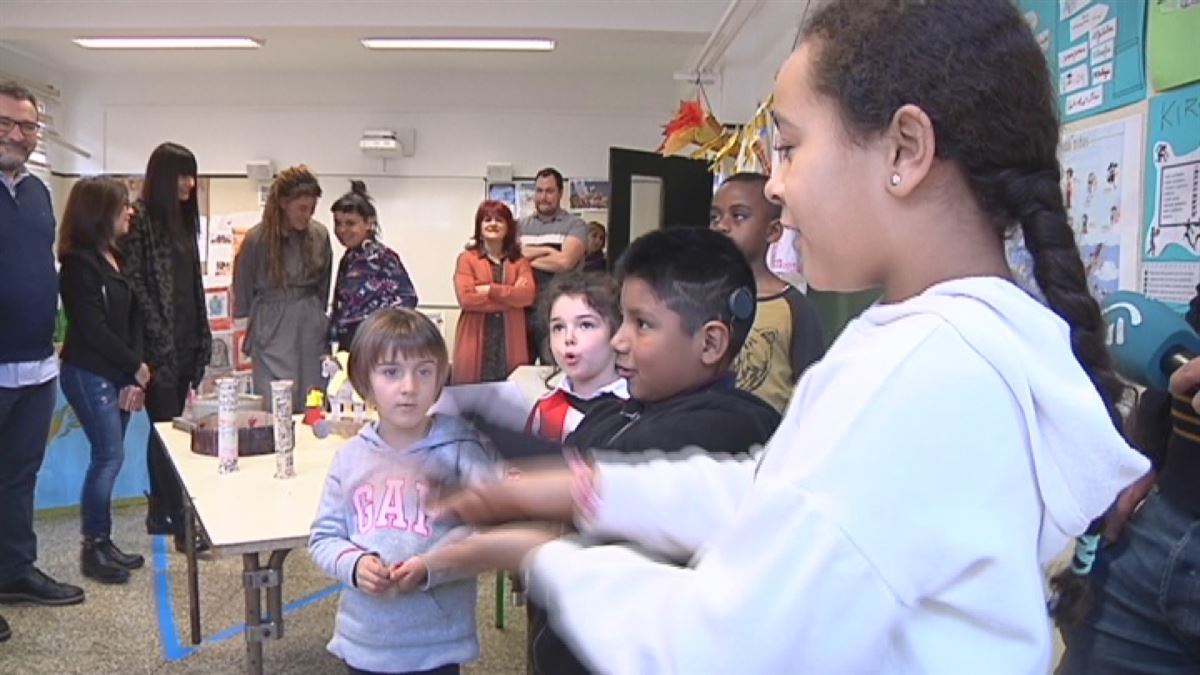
28	364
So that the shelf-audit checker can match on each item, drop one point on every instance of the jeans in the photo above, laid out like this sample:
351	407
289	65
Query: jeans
94	400
25	414
1146	617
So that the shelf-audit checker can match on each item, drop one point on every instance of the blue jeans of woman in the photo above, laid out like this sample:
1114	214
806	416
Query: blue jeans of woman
1146	617
94	400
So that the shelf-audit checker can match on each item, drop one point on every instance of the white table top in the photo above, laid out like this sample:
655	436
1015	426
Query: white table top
250	510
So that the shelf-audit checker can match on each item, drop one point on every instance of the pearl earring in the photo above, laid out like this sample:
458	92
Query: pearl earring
895	179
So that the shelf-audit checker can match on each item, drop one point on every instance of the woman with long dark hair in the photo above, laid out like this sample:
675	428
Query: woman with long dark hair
162	262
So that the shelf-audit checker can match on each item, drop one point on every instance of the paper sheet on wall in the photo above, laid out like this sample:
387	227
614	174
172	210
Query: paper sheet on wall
1171	241
1171	31
1099	50
1100	182
225	233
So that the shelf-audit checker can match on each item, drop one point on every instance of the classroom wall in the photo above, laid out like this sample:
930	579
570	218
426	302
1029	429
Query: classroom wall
747	70
463	120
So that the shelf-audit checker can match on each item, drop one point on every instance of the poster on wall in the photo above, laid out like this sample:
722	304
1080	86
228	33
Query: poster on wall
505	193
1171	242
524	199
225	234
221	360
1100	184
1099	50
1101	177
1171	31
216	303
589	194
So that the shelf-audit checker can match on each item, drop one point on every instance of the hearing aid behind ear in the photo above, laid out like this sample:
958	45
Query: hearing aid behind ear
741	304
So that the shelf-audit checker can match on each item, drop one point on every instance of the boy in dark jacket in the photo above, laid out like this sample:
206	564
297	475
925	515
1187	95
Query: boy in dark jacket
687	304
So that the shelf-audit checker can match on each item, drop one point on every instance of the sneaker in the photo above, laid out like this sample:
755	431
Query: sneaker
39	588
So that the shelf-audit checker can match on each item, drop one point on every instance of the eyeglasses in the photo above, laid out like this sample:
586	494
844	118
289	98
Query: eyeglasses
27	128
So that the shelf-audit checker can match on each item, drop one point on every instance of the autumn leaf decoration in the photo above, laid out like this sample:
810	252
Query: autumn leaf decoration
692	124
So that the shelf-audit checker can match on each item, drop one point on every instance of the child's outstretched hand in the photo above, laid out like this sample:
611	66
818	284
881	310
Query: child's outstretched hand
533	495
371	575
410	574
501	548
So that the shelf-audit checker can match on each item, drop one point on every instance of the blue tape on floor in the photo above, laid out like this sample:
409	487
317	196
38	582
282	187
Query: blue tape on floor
174	649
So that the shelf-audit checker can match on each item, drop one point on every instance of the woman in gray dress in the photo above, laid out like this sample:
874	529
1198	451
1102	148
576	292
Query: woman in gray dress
281	283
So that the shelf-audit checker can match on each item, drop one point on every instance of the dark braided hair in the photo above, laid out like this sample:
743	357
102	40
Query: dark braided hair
974	68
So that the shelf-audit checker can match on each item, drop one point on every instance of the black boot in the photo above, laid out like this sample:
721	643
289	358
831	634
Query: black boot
157	521
5	631
130	561
95	563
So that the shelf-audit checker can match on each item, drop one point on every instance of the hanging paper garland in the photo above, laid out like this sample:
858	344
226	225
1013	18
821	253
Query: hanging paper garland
727	150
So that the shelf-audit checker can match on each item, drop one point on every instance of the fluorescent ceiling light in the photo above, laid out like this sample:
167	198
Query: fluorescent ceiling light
168	43
479	44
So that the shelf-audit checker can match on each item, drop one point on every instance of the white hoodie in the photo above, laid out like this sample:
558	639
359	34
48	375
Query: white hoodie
927	470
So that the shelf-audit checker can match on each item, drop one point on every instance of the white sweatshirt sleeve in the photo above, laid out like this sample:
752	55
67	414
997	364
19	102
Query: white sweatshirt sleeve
641	499
771	595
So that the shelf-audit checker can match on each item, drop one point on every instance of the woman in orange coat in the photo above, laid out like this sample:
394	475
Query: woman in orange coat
494	285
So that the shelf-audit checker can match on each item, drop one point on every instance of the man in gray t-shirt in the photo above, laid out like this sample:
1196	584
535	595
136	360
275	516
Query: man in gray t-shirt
554	241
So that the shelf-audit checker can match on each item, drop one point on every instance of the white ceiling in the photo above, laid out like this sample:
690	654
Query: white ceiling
642	37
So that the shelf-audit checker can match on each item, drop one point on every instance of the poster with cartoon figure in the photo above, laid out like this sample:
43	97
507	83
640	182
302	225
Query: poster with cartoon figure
1100	175
1171	239
1100	171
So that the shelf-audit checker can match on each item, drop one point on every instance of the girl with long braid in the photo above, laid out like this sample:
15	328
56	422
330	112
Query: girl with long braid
954	440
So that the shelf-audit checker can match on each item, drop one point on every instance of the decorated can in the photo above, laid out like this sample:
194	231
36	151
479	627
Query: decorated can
227	435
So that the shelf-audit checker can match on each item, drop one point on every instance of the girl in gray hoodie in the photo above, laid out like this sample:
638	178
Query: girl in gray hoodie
373	530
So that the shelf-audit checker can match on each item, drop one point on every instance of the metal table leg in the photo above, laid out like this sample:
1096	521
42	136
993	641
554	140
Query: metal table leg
193	580
256	580
500	599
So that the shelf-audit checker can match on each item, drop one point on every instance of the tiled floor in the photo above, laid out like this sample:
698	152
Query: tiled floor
124	629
